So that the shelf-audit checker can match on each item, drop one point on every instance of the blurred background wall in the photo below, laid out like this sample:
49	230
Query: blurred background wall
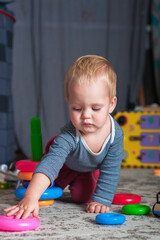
49	35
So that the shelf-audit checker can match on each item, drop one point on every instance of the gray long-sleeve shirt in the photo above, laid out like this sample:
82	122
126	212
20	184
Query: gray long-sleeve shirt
70	148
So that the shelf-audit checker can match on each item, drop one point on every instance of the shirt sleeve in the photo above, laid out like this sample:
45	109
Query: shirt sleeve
53	161
109	173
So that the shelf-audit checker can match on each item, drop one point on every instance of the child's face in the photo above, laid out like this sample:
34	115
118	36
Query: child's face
89	106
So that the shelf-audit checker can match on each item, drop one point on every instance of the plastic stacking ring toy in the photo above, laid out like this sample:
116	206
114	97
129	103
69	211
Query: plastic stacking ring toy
25	175
25	183
126	198
11	224
4	185
36	139
50	193
136	209
110	218
156	172
52	184
46	202
26	165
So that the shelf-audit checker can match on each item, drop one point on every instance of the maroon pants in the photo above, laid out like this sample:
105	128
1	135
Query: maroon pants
81	185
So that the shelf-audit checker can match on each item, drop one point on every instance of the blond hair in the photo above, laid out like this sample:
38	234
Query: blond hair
91	68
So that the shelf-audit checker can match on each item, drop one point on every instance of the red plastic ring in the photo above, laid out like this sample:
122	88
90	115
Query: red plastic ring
126	198
26	165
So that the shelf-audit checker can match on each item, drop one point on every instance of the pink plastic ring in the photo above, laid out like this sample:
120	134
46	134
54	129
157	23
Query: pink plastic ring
11	224
26	165
126	198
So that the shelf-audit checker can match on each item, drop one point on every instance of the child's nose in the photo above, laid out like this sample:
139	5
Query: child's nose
86	114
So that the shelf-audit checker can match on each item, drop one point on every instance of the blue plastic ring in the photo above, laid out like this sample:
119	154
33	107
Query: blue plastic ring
50	193
25	183
110	218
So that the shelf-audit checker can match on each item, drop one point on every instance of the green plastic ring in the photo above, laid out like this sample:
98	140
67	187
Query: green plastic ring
136	209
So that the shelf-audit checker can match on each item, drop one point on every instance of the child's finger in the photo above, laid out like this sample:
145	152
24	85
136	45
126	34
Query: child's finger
26	214
36	213
9	208
19	214
13	211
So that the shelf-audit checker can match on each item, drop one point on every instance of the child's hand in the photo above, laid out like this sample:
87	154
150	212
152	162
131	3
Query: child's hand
24	208
95	207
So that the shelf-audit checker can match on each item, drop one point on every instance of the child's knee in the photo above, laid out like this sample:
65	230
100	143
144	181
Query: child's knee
83	187
80	194
80	197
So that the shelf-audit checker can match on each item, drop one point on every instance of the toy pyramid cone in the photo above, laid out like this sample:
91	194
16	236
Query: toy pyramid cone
27	167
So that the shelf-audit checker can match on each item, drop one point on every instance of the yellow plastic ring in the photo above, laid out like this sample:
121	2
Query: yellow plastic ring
25	175
46	202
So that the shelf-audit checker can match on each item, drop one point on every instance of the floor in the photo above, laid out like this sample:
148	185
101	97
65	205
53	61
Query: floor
67	220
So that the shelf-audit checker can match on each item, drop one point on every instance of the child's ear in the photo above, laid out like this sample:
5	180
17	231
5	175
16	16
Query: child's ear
113	104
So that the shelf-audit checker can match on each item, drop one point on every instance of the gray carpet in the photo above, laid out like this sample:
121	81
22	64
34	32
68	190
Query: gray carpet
67	220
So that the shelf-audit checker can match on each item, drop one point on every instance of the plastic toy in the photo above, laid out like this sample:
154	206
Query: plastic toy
156	207
11	182
110	218
11	224
46	202
25	183
8	177
5	171
141	138
136	209
36	140
4	185
156	172
126	198
25	175
50	193
26	165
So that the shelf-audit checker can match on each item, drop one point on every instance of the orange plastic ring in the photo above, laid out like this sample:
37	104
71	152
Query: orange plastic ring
156	172
46	202
25	175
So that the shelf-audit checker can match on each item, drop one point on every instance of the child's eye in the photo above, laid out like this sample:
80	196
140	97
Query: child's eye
96	109
77	109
